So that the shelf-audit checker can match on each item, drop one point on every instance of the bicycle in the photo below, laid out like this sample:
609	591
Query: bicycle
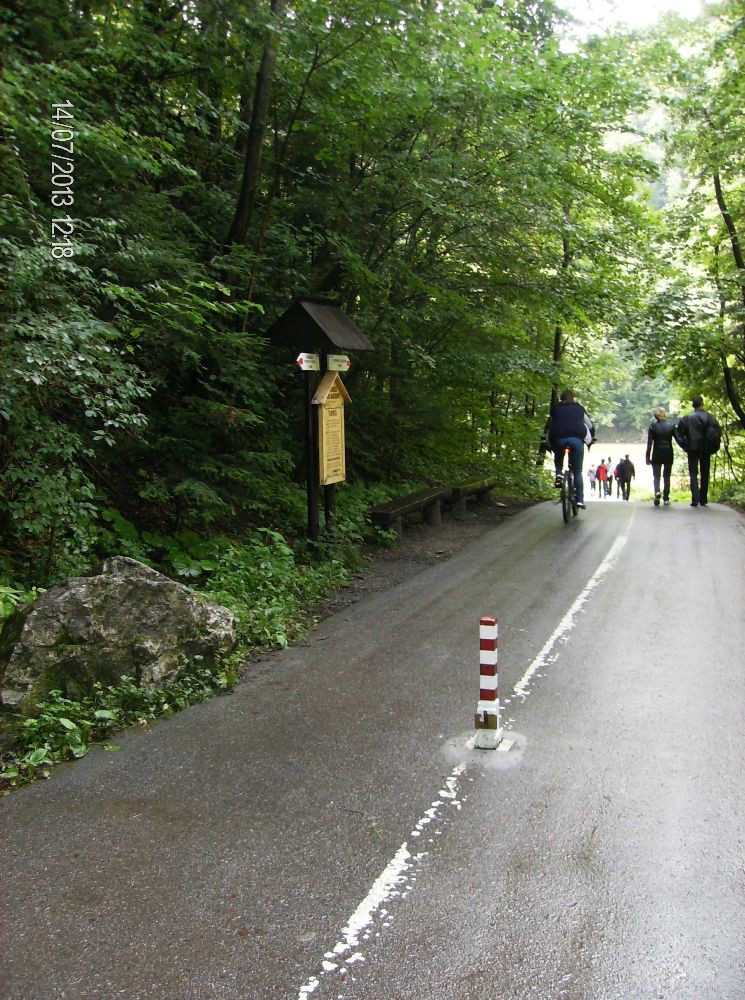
568	496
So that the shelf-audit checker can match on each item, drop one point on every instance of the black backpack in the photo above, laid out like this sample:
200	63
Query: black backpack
712	436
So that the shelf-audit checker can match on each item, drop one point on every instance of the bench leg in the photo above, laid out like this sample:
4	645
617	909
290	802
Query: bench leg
483	497
433	514
460	507
398	527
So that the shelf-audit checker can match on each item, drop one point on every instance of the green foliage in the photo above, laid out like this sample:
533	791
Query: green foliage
62	728
66	393
469	190
629	397
11	597
184	553
693	328
269	587
732	493
475	195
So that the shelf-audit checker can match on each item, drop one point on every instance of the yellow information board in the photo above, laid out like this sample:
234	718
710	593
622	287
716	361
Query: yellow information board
331	397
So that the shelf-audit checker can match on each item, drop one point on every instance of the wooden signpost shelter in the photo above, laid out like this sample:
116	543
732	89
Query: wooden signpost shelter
319	326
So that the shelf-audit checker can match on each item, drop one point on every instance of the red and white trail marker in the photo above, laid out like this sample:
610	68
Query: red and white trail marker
338	363
488	729
309	362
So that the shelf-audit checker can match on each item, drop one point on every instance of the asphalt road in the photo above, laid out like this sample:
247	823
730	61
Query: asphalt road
326	831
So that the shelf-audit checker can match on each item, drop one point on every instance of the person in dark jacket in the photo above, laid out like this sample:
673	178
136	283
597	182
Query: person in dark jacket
692	435
569	426
626	472
660	453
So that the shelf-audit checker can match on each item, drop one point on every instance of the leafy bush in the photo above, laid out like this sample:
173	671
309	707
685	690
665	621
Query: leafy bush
268	588
185	552
61	728
733	493
11	597
353	528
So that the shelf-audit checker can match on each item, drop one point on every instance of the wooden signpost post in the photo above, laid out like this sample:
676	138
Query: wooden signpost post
318	328
330	398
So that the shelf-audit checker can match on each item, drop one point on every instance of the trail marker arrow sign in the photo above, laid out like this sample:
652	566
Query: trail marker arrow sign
338	363
309	362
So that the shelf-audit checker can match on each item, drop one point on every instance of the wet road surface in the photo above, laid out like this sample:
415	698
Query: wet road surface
326	831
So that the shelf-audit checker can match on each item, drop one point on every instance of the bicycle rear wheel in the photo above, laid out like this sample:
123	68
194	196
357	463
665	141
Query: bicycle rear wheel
566	495
573	493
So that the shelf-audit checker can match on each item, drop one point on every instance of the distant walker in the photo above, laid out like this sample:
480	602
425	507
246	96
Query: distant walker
626	472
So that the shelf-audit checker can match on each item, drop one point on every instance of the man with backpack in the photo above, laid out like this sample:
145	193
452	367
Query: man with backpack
699	435
626	472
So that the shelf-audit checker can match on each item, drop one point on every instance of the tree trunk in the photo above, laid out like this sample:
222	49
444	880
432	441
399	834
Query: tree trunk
729	382
566	260
731	228
559	343
257	128
732	393
278	164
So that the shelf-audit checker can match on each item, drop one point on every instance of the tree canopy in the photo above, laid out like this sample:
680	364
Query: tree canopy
487	201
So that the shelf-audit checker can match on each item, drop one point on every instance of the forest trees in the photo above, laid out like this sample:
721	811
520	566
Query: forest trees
713	116
695	324
444	171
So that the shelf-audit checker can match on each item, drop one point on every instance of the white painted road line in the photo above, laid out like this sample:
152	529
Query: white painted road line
387	885
398	873
566	624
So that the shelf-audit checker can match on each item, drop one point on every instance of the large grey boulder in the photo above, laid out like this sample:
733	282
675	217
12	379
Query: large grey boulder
128	619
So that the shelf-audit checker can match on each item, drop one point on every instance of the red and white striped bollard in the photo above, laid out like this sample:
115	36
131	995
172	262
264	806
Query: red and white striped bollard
488	730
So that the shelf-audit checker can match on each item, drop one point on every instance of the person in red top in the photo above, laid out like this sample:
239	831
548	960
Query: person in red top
602	475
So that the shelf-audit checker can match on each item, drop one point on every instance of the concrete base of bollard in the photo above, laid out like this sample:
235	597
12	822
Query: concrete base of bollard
488	739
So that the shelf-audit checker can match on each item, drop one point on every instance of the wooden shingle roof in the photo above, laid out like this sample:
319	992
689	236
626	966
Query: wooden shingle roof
317	324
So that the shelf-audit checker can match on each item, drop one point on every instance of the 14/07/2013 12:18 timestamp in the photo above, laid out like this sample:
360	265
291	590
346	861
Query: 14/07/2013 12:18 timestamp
63	178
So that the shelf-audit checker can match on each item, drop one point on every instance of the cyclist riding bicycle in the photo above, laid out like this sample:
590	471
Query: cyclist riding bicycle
570	426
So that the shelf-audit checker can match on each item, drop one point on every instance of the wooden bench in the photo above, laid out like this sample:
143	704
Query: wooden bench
393	511
478	488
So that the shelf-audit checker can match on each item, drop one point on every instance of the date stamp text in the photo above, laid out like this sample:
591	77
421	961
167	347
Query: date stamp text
63	178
